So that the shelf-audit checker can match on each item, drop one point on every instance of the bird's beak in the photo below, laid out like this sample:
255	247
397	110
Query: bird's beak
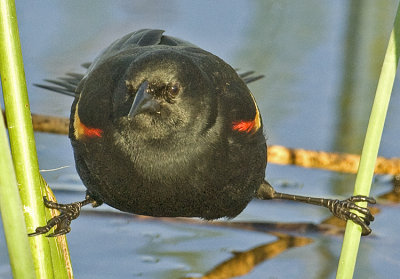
143	102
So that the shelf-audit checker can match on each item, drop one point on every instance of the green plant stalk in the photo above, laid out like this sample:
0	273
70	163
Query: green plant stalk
369	153
58	245
12	215
22	140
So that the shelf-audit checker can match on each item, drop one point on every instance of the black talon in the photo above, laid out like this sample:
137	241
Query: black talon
360	198
341	209
68	212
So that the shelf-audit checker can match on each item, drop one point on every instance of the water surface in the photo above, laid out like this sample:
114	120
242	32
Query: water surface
321	61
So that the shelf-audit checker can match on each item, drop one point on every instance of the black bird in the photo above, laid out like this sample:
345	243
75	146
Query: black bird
161	127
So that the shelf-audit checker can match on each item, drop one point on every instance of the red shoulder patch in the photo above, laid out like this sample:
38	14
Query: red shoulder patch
248	126
243	126
83	131
91	132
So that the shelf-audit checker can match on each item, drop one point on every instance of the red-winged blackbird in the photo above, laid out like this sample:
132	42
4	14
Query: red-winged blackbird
161	127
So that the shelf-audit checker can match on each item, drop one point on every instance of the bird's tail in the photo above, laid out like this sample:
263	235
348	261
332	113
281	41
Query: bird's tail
64	85
67	85
249	76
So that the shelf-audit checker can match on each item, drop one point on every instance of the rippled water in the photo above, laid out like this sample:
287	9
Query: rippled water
321	61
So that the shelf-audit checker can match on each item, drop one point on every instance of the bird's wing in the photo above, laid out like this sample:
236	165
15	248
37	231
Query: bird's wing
145	37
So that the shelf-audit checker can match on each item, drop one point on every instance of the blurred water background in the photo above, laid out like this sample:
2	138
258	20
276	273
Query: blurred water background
321	61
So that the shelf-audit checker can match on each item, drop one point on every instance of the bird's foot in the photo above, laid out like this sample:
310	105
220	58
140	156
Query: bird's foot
342	209
68	212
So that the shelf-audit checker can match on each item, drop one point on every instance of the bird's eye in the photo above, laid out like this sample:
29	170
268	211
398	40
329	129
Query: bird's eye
173	90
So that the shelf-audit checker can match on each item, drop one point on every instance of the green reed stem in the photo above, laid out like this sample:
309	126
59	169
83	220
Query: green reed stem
12	215
24	156
369	153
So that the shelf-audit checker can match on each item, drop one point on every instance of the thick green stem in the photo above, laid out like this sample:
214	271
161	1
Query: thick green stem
370	149
22	142
12	214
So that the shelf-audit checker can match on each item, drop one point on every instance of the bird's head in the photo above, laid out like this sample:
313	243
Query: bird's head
166	91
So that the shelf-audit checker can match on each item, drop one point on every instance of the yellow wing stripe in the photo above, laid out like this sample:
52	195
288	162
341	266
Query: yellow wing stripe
257	118
82	131
249	126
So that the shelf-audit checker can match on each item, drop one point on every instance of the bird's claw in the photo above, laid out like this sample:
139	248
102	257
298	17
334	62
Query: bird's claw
343	210
68	212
